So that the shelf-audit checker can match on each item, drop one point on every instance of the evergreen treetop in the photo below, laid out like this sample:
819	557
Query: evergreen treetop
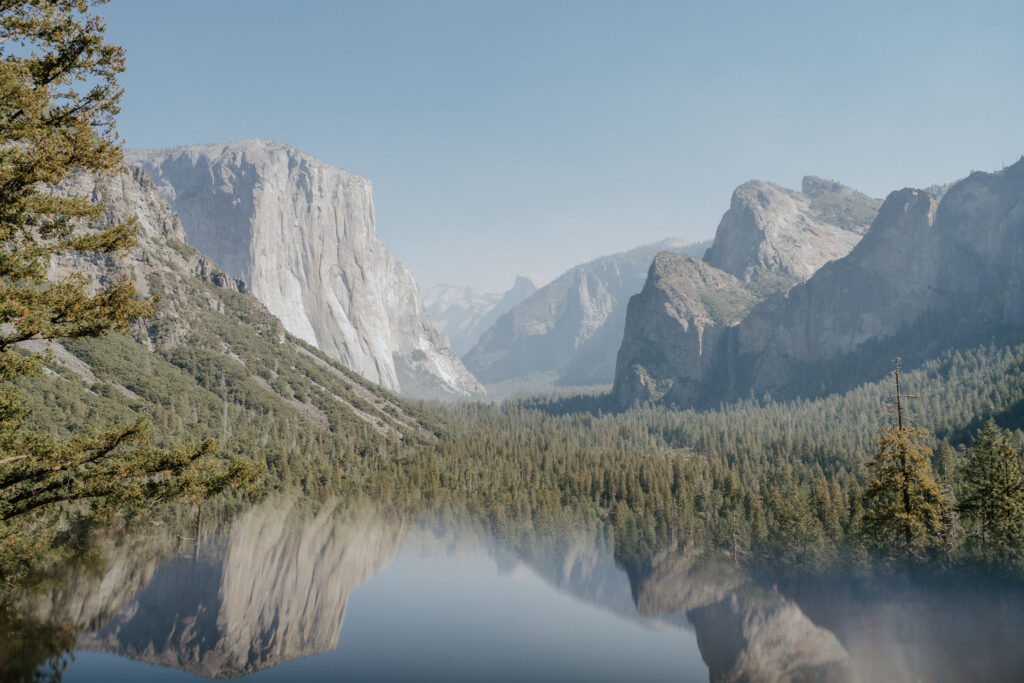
59	96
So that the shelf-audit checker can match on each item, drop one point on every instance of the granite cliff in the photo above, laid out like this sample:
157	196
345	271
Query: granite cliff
930	274
770	239
212	357
770	232
672	328
568	332
301	234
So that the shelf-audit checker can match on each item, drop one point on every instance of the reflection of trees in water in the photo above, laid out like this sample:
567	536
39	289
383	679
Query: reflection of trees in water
276	585
31	650
41	623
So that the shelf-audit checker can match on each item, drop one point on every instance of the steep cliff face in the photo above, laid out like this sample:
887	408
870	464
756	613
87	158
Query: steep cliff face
770	239
569	331
301	234
674	327
131	194
212	354
929	274
770	232
462	314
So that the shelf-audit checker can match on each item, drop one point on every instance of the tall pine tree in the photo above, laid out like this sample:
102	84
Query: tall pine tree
904	510
992	502
59	97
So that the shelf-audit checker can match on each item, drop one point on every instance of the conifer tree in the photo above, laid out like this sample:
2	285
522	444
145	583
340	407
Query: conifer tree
904	509
59	96
992	503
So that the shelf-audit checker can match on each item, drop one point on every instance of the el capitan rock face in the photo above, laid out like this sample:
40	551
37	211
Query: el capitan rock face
301	234
204	313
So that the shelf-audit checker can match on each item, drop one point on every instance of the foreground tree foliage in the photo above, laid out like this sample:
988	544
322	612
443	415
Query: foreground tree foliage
904	509
992	502
58	101
905	514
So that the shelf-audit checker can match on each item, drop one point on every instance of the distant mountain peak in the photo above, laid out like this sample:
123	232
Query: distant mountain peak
535	281
772	232
568	332
462	314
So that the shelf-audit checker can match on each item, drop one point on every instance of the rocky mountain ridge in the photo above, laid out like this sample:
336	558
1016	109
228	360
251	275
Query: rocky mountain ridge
770	239
929	274
568	332
212	353
462	314
301	234
772	232
571	332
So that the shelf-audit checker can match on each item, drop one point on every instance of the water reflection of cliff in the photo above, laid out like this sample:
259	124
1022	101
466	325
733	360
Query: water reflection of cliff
840	629
745	632
276	589
579	562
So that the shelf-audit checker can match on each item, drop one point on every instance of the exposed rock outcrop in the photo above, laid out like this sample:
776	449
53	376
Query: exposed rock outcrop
207	319
673	328
301	234
928	275
569	331
770	239
770	232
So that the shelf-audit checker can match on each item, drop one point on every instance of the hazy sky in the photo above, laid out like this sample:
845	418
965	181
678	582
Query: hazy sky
525	137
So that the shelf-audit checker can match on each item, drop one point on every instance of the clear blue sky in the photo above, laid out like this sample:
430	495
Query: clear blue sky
524	137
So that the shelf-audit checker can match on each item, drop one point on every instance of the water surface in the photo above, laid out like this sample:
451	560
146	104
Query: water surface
291	591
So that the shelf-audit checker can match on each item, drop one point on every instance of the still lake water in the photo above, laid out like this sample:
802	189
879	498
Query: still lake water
289	592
